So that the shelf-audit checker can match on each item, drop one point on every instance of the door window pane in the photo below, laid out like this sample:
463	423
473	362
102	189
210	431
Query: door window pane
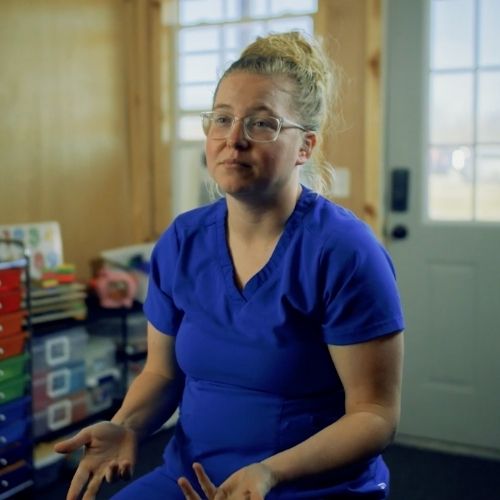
450	187
489	107
451	108
452	32
463	178
489	44
488	183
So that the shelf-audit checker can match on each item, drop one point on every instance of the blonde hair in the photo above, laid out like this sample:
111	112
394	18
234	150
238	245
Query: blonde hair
315	93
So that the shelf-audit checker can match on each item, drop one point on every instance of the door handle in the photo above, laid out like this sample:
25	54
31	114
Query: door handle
399	232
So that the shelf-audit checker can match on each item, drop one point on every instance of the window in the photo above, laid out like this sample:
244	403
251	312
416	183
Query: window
208	36
463	148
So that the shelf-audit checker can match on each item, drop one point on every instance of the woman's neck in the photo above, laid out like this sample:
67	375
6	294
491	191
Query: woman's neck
265	218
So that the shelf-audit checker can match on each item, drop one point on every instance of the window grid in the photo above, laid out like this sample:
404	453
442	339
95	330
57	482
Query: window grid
475	70
247	25
186	137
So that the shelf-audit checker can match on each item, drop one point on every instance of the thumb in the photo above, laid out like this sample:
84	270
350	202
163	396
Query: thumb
78	440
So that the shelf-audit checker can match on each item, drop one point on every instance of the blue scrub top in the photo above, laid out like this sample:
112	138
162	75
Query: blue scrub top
259	376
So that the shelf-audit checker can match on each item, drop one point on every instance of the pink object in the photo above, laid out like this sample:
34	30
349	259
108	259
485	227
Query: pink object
115	288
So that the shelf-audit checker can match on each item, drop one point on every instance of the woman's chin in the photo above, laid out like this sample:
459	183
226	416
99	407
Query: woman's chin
236	186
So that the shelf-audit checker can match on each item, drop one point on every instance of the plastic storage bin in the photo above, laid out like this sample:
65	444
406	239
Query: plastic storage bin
13	477
10	301
10	279
12	345
100	397
60	414
47	387
14	432
16	472
100	357
14	452
137	341
58	349
13	388
14	420
10	412
13	367
11	323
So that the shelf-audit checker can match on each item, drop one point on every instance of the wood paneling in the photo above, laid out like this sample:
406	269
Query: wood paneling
64	125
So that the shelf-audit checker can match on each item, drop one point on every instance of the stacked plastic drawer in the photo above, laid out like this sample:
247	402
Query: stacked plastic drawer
103	374
15	403
58	384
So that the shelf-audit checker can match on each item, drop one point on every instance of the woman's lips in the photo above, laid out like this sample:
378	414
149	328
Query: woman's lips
234	163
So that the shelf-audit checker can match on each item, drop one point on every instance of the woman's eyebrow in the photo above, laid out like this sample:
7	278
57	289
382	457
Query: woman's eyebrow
253	109
222	106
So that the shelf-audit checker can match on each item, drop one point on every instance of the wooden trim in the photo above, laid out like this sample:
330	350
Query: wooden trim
372	207
352	33
137	73
163	118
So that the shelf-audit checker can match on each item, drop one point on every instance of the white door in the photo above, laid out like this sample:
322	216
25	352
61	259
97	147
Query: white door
446	243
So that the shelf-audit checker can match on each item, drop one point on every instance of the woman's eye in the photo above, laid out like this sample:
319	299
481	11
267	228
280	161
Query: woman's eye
222	120
262	123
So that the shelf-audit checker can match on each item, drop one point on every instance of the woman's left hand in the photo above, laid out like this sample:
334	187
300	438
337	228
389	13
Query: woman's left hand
249	483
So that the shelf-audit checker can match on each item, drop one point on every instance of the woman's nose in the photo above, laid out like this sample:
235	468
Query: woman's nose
236	136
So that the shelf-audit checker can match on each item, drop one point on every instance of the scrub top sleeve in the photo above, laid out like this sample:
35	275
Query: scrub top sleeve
160	307
361	299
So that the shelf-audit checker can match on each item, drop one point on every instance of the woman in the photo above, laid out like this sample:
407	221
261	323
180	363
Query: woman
274	318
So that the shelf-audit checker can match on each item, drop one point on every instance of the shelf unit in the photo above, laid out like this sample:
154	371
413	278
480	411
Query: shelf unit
16	440
106	376
42	364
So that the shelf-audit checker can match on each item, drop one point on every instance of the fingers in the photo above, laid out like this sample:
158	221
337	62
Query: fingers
187	489
118	470
206	485
126	470
93	487
77	483
73	443
112	472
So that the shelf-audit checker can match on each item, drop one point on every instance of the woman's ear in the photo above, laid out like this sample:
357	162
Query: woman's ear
306	149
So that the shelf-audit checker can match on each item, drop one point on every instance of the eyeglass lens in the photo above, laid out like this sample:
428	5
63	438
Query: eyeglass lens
257	128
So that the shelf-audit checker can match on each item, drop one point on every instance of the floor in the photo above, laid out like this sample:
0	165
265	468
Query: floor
415	475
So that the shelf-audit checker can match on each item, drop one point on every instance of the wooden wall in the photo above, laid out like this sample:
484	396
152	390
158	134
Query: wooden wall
69	106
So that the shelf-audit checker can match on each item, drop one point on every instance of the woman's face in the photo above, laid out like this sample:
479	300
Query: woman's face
242	167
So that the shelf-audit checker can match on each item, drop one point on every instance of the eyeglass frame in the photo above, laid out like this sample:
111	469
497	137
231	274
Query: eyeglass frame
283	123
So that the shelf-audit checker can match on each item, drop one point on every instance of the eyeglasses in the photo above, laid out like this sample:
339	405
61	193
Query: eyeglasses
257	128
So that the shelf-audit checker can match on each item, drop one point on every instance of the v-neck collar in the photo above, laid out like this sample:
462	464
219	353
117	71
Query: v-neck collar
243	295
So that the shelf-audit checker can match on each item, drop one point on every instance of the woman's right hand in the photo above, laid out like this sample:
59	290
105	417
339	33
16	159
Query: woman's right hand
110	452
